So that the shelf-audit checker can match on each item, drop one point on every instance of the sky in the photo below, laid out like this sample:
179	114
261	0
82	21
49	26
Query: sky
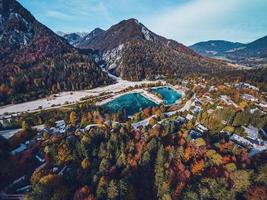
186	21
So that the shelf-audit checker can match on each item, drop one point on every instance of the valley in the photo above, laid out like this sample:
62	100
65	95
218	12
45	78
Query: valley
123	113
71	97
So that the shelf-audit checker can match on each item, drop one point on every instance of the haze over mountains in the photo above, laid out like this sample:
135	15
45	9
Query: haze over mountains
252	54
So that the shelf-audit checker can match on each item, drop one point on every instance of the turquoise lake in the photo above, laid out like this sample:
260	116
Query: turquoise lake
131	103
169	95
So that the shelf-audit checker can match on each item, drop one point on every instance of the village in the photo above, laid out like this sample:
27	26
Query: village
205	101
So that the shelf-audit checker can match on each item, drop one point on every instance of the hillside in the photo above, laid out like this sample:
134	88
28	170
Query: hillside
72	38
253	54
214	48
35	61
87	39
257	48
133	52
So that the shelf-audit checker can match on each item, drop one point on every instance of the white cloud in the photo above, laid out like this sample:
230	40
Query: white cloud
57	14
198	20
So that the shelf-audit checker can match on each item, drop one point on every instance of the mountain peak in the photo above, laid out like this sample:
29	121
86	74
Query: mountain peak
131	20
132	51
96	31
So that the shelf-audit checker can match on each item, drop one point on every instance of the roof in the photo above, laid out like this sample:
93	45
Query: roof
241	140
252	132
200	127
21	148
189	117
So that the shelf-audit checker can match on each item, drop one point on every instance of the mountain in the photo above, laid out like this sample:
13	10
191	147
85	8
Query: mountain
87	39
34	61
73	38
81	34
217	48
257	48
133	52
253	54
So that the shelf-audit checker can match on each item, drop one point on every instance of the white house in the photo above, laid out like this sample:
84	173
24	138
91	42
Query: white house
201	128
20	149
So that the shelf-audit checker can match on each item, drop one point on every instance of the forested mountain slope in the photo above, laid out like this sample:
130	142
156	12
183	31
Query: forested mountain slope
34	61
133	52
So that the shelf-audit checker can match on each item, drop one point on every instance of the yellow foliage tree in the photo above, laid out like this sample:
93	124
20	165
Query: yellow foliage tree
85	164
73	117
214	157
64	153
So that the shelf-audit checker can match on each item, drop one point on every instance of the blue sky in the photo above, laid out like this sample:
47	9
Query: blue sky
187	21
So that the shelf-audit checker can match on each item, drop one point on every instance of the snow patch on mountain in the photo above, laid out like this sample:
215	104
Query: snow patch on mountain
23	31
112	57
213	44
146	34
235	49
212	52
137	22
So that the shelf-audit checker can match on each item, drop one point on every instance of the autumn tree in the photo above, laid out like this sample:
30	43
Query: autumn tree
209	188
73	117
240	180
159	170
113	191
64	153
25	125
85	164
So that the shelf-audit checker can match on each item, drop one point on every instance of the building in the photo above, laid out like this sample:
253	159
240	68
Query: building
40	156
249	97
242	141
195	134
253	135
196	109
20	149
201	128
189	117
246	85
252	132
228	101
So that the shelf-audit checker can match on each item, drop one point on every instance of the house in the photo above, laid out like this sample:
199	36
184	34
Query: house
184	83
195	134
197	103
189	117
209	111
240	140
228	101
246	85
263	105
60	123
18	150
208	99
212	88
196	109
249	97
180	120
201	128
253	135
40	156
252	132
61	126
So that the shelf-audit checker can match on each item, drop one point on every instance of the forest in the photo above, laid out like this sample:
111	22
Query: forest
159	161
33	81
